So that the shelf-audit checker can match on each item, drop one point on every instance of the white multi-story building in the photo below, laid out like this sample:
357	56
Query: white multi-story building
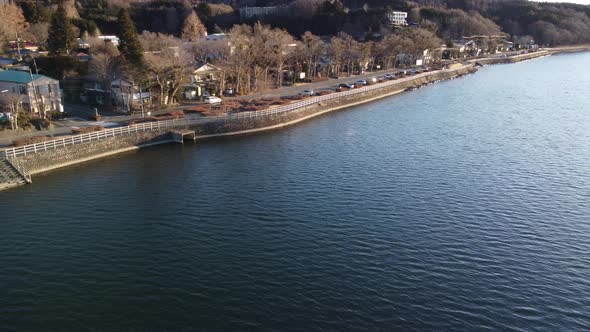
113	39
261	12
398	18
37	92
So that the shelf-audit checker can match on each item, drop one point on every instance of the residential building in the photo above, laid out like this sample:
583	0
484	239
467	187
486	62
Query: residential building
83	44
205	79
215	37
126	94
398	18
39	93
93	91
113	39
23	46
247	13
460	50
7	62
425	59
486	44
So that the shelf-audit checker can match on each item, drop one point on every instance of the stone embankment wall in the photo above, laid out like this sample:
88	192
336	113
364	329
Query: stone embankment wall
73	154
251	125
569	49
511	59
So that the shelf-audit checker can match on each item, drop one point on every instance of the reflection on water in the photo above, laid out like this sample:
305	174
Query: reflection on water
463	205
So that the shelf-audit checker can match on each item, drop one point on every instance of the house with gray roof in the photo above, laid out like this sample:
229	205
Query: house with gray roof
39	93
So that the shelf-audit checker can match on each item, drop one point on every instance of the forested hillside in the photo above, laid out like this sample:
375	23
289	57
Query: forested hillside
548	23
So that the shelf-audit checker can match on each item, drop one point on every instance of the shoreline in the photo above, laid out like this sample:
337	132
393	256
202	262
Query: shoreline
49	160
569	49
210	136
302	119
45	161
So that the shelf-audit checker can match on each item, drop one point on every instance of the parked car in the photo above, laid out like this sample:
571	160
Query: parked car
307	93
361	82
389	76
212	100
345	86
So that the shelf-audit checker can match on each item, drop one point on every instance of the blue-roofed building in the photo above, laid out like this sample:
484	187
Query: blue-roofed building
4	62
45	97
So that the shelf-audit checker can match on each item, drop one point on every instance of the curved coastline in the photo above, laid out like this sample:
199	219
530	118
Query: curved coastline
70	155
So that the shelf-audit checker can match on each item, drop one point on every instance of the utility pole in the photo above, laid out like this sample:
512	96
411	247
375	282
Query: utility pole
20	58
141	100
41	112
130	100
36	69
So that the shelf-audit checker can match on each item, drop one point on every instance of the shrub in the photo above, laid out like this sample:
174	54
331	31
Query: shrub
56	115
319	79
323	93
142	120
30	140
40	123
176	113
279	102
85	130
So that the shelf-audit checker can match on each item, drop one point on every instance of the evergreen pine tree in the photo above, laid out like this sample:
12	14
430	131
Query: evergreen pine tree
61	39
129	44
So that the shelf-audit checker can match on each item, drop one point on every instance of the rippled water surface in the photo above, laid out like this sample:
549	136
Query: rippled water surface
464	205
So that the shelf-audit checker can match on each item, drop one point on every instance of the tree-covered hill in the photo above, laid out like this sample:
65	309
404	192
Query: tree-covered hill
549	24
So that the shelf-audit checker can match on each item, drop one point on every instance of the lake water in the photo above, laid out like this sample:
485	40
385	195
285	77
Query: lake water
464	205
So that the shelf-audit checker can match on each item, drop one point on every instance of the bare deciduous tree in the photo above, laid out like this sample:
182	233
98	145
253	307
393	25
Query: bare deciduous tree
168	63
11	102
12	21
313	49
38	32
105	62
240	59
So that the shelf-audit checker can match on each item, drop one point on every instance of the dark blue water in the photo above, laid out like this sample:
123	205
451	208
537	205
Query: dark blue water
464	205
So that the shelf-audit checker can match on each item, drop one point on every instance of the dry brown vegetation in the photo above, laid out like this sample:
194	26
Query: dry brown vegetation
30	140
85	130
236	106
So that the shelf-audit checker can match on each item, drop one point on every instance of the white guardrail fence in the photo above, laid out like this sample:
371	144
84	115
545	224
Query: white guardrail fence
183	122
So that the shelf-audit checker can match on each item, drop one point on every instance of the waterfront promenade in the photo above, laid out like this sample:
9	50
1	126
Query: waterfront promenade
64	127
22	162
68	150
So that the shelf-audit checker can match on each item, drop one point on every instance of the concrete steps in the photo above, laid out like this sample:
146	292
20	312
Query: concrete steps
9	177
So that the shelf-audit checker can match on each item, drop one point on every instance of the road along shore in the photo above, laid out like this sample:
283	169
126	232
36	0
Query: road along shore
47	156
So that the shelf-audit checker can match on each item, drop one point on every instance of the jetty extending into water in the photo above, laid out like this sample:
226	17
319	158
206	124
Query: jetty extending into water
18	164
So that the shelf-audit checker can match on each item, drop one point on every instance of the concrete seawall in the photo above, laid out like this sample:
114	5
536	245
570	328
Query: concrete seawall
73	154
246	126
511	59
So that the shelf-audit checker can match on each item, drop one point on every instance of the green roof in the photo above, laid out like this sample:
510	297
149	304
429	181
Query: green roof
17	76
